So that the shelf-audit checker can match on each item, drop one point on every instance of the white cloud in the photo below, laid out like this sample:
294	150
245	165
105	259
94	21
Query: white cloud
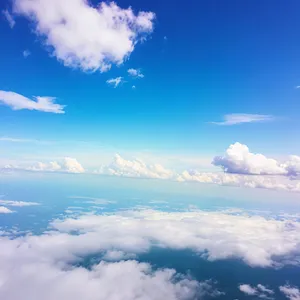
15	140
115	82
260	291
133	87
26	53
247	289
292	293
17	203
116	255
18	102
135	168
135	73
238	159
139	169
48	267
234	119
68	164
86	37
247	181
258	241
9	18
5	210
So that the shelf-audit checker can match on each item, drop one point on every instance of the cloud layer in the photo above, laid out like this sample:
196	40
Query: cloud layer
256	240
86	37
18	102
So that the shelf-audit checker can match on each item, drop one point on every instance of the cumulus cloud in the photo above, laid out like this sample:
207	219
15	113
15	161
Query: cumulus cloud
5	210
238	159
17	203
260	290
292	293
135	73
9	18
18	102
234	119
68	164
135	168
66	28
258	241
115	82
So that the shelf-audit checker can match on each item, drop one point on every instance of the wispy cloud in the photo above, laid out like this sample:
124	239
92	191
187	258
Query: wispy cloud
115	82
135	73
26	53
9	18
18	102
235	119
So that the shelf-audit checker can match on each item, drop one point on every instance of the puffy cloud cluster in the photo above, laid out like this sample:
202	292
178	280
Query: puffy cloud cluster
260	290
135	168
292	293
256	240
86	37
238	159
68	165
18	102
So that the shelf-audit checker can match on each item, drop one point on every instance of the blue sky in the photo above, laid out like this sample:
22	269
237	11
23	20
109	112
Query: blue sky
201	63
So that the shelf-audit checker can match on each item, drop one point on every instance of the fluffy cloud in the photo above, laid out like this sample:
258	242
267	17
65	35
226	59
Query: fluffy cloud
135	168
238	159
260	290
9	18
4	210
115	81
18	102
135	73
17	203
138	168
258	241
292	293
234	119
68	164
50	266
87	37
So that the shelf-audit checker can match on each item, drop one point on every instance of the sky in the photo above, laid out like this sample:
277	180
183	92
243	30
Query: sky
149	146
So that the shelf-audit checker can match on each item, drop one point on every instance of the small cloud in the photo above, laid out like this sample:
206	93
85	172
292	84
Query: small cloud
135	73
115	82
235	119
19	102
165	38
4	210
133	87
9	18
18	203
260	291
26	53
298	87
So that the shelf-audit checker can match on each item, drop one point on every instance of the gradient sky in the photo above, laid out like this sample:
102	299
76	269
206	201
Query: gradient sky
204	60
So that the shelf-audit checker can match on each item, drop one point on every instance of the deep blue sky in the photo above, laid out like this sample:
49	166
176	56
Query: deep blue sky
219	57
